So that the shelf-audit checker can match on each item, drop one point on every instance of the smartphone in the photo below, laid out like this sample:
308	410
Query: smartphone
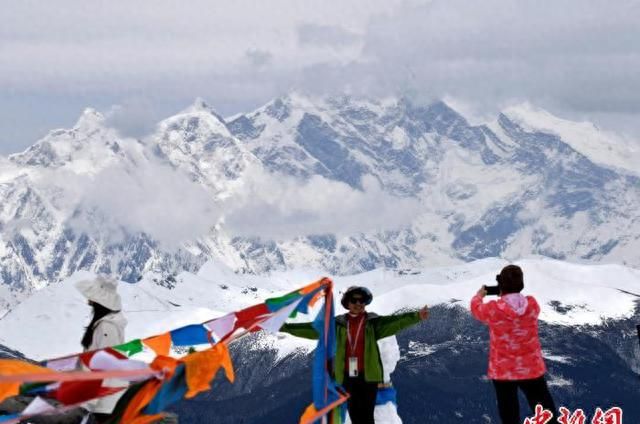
492	290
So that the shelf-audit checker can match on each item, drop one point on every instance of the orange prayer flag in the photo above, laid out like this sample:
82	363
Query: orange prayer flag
310	414
146	394
17	367
227	365
316	297
166	364
8	390
201	367
139	402
311	287
159	344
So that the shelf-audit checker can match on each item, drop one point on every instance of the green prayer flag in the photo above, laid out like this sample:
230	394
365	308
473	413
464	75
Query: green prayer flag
276	303
130	348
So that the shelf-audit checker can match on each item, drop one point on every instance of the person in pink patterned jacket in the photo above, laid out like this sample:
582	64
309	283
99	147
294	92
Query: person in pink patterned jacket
515	354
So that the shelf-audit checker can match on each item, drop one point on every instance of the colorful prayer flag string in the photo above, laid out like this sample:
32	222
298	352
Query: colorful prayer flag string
153	387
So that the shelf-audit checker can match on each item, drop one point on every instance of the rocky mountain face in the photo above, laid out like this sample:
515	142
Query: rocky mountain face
73	200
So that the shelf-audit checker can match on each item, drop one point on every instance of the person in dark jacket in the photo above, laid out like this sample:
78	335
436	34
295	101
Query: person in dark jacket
515	354
357	365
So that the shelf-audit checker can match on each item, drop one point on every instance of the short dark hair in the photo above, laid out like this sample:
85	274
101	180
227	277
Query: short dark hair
362	291
510	279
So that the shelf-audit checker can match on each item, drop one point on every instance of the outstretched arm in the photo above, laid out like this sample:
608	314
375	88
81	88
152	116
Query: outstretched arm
389	325
304	330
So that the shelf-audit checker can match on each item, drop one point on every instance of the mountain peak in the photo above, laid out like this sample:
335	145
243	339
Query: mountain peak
298	99
199	117
200	105
443	107
439	114
89	119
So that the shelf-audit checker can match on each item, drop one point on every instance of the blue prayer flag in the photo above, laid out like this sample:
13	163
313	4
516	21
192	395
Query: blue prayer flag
190	335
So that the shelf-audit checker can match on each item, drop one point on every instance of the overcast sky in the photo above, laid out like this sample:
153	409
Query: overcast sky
580	59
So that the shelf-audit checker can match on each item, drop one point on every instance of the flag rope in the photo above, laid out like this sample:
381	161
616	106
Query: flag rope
267	314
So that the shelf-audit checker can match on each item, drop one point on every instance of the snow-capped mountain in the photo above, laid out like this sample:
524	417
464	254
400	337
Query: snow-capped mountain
358	184
197	141
87	148
510	190
588	330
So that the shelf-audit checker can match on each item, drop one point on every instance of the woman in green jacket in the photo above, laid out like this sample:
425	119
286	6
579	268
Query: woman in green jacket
357	364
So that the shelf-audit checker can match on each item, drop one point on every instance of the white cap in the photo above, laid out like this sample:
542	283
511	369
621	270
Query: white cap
102	290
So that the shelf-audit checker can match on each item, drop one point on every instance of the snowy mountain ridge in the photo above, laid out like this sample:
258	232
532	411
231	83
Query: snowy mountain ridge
599	146
569	294
292	185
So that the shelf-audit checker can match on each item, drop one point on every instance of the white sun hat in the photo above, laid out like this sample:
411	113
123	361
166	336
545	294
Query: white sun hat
102	290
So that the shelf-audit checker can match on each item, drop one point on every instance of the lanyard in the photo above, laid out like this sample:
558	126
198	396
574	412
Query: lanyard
352	345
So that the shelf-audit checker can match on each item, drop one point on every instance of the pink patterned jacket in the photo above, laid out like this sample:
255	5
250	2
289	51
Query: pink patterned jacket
514	351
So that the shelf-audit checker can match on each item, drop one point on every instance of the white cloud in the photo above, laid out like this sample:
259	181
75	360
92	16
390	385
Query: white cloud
155	41
165	204
312	34
579	58
278	207
153	199
136	117
474	114
258	58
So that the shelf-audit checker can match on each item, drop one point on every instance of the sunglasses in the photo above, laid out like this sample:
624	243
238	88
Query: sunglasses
357	300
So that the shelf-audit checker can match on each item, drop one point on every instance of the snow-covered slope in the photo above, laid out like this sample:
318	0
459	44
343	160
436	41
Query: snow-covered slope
51	321
601	147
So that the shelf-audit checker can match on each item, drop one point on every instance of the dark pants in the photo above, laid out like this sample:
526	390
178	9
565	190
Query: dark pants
362	399
536	392
100	418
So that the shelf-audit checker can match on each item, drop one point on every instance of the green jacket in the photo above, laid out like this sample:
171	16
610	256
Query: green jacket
376	327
